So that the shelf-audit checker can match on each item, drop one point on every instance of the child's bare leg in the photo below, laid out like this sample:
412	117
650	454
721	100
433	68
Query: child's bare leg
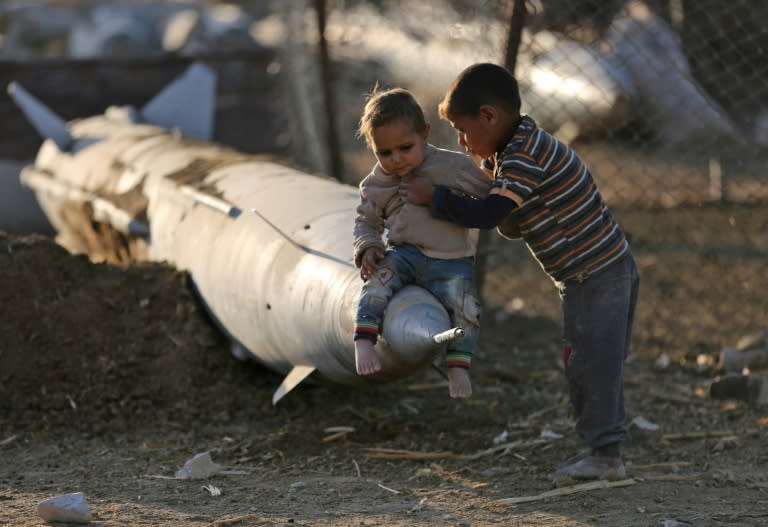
366	360
459	383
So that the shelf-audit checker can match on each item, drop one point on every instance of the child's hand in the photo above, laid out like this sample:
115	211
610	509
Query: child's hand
369	263
479	162
459	384
417	190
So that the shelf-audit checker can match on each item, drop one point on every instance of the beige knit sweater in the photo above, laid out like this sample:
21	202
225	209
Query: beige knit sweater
383	216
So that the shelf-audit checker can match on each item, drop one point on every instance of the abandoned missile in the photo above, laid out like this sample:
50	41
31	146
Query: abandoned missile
268	247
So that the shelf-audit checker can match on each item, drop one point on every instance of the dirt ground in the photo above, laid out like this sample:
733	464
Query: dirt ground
111	378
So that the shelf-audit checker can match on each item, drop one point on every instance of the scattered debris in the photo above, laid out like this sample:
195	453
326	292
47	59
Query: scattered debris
391	453
751	389
662	362
726	442
337	429
671	522
565	491
644	424
641	429
512	308
419	506
293	487
424	472
410	407
199	467
212	489
549	434
538	413
234	472
501	438
705	362
8	440
67	508
665	395
237	520
751	351
337	432
506	448
393	491
707	434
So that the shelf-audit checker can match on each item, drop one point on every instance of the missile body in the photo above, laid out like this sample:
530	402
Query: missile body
267	246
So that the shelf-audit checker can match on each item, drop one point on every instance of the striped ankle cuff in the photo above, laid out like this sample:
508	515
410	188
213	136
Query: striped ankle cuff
458	359
366	330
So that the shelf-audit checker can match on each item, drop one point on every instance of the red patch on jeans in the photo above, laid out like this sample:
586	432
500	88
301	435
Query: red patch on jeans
566	355
384	275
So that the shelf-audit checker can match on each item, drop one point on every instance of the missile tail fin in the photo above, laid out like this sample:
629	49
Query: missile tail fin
47	123
291	381
187	103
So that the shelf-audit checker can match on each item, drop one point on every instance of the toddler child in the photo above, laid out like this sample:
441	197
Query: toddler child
435	254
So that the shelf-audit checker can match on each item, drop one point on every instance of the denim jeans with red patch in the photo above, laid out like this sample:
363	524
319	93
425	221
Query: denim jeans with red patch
451	281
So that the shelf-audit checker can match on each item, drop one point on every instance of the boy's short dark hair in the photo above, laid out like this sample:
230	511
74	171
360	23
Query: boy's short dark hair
384	107
477	85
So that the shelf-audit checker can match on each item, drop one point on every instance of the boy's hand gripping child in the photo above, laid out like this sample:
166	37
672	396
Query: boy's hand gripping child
434	254
543	192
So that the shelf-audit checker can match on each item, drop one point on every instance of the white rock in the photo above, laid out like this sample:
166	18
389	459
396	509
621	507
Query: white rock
662	362
501	438
641	429
200	466
549	434
645	424
70	508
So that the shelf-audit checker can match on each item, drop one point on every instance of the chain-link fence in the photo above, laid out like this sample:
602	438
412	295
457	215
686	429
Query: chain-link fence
666	100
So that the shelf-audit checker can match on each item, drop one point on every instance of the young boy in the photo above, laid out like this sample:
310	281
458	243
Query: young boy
543	192
437	255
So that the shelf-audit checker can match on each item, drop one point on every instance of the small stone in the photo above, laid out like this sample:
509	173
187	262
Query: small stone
662	362
199	467
68	508
642	430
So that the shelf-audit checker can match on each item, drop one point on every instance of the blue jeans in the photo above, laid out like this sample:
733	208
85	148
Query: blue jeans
452	282
597	326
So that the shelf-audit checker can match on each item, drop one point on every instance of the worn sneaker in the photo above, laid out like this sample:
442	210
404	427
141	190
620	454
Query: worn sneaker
590	468
573	459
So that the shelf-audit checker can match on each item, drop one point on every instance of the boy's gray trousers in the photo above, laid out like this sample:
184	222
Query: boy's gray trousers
597	326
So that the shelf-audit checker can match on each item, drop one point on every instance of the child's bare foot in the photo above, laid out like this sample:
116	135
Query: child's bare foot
459	384
366	360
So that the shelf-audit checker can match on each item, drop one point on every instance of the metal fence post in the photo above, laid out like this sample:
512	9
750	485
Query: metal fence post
334	149
516	24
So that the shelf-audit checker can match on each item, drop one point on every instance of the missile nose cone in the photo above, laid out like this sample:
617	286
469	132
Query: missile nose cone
412	319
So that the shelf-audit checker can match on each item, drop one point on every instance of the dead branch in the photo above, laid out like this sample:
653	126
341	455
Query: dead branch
565	491
707	434
520	444
390	453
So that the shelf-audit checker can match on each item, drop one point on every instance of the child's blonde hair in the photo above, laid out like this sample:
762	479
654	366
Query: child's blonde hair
384	107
